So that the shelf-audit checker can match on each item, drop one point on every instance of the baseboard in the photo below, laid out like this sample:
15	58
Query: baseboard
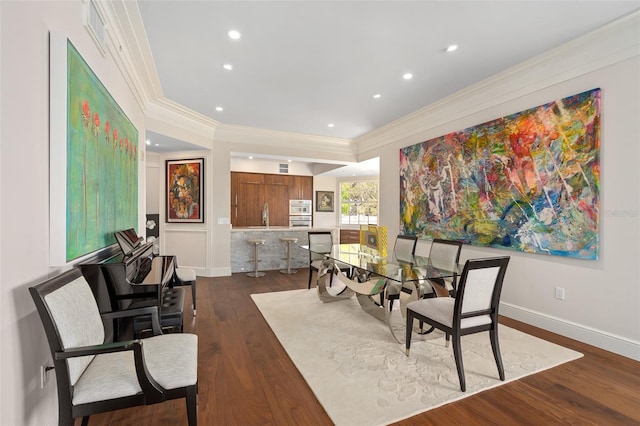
609	342
213	272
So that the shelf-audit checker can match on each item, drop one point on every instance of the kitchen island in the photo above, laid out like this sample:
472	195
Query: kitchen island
272	254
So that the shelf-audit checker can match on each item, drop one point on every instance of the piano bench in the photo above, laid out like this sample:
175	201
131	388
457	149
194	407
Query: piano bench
171	312
187	276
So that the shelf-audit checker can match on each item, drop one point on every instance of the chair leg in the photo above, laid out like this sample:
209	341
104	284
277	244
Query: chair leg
495	346
193	297
192	406
409	331
457	354
310	274
85	421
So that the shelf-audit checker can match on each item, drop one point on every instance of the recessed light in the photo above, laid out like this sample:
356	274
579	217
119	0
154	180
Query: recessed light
227	67
288	161
157	144
451	48
234	34
330	124
250	157
148	142
377	96
407	76
219	109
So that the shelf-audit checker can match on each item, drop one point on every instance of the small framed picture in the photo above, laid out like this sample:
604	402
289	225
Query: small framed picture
185	191
324	201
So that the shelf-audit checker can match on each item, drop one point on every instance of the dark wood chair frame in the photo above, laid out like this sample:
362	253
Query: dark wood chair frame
455	330
152	392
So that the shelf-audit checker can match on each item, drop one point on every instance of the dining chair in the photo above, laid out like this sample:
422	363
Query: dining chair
444	254
403	250
423	246
321	244
473	310
94	376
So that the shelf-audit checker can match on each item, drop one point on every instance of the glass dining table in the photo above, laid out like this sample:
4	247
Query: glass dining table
383	285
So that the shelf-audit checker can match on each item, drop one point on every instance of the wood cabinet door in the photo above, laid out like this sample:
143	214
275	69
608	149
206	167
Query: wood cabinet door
250	202
251	178
277	180
301	188
278	198
306	187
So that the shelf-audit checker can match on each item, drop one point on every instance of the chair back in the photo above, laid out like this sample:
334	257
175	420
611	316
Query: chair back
423	246
404	248
478	295
445	254
70	316
319	242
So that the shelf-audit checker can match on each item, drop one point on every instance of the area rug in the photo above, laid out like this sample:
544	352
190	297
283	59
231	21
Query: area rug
361	375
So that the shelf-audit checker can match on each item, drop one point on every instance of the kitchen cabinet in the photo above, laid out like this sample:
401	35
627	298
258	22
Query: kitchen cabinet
250	192
277	196
301	187
349	236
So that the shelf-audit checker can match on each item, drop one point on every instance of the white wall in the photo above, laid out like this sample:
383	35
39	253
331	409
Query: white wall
602	304
24	193
154	172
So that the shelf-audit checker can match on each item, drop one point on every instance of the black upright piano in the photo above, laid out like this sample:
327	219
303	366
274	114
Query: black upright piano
127	272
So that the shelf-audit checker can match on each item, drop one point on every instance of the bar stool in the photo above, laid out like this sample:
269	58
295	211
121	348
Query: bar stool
289	241
256	242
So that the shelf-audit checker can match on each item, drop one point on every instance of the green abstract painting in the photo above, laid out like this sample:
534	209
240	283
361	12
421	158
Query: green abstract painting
102	163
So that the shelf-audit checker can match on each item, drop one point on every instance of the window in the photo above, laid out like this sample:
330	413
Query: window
359	202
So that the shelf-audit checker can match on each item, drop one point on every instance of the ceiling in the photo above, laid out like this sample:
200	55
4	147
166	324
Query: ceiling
301	65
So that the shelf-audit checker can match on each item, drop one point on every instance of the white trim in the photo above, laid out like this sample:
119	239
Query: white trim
217	272
607	341
57	148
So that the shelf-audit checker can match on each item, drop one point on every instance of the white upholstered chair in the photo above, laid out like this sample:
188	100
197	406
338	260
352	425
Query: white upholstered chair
445	254
95	376
404	247
473	310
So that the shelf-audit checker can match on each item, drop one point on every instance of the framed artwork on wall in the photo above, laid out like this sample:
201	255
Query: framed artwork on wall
324	201
185	191
529	181
93	159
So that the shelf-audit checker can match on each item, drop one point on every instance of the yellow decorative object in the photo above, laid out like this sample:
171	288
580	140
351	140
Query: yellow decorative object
382	240
363	234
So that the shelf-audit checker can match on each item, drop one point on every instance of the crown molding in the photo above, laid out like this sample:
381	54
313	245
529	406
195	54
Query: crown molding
172	113
287	142
130	49
608	45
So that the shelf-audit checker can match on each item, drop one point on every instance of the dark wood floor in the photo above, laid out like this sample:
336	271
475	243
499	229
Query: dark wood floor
246	378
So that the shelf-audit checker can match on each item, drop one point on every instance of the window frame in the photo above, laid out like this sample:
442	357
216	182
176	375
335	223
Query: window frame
373	179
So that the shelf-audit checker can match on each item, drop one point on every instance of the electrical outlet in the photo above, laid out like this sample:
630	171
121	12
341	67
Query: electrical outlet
560	293
44	371
43	376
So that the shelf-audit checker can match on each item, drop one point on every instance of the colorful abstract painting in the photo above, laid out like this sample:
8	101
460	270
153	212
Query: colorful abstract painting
102	166
185	190
529	181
